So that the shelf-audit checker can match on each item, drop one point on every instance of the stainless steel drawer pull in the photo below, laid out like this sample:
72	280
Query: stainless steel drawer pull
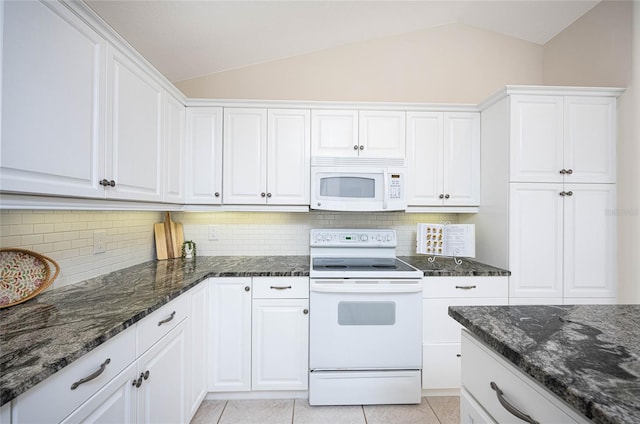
92	376
166	320
512	409
280	287
466	287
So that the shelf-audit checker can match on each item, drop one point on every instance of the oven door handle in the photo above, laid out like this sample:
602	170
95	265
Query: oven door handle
368	288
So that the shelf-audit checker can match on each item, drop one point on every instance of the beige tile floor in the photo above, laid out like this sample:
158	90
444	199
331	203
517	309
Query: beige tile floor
432	410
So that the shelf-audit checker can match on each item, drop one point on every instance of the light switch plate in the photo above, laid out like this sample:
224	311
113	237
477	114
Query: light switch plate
212	233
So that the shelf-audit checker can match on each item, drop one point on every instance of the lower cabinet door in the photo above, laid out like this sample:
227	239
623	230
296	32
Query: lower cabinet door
161	397
196	357
280	348
441	366
114	403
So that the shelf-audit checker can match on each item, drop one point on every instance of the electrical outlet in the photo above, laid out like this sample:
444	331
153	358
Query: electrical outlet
212	233
99	241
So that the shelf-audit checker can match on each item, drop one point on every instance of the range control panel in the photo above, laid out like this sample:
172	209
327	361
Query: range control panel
354	238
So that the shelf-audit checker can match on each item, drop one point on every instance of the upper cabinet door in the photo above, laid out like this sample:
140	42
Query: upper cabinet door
461	159
203	167
424	158
382	134
288	157
590	139
173	151
135	138
53	97
245	145
334	133
536	138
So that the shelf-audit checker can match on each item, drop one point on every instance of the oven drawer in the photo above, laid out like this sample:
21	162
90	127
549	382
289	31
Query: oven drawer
280	287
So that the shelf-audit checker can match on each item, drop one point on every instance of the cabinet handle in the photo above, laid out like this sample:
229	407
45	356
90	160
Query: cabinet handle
268	194
441	196
146	374
305	311
466	287
247	288
563	193
355	147
279	287
446	196
263	194
91	376
166	320
569	171
458	355
563	171
512	409
569	193
216	194
104	183
361	147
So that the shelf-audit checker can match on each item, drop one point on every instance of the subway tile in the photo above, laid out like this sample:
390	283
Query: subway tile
21	229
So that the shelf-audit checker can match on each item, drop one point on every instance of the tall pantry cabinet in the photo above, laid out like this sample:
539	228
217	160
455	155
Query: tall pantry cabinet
549	193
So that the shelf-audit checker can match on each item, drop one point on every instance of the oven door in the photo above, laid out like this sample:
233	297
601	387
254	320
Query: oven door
365	325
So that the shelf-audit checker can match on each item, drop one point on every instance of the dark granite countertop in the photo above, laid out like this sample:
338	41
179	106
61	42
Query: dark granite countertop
588	355
45	334
446	267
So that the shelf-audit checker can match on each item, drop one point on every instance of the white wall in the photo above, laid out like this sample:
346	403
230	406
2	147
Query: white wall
448	64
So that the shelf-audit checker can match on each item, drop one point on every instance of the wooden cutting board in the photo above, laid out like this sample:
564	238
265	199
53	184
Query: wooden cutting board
169	238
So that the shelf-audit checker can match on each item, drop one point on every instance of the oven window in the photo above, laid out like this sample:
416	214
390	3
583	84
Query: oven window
348	187
366	313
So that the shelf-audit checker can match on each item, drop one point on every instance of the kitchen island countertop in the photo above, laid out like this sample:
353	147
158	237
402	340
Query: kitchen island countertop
587	355
88	313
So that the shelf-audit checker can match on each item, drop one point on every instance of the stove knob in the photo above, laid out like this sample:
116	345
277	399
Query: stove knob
379	237
388	237
364	237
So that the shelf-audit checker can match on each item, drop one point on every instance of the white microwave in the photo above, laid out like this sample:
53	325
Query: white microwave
358	189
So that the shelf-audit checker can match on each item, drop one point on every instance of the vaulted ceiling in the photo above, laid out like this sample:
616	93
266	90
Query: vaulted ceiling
185	39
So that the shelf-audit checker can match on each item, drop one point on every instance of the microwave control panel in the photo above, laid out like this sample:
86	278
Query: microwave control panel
395	186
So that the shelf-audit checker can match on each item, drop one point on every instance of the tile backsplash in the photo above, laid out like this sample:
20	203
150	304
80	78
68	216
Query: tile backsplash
67	236
276	233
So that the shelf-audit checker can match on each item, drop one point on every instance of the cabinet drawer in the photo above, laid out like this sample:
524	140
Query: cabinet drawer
281	287
160	322
464	287
471	412
481	367
441	366
53	399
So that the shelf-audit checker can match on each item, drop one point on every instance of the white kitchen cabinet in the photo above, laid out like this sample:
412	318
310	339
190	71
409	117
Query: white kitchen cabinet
563	139
288	157
114	403
197	355
334	133
266	156
443	151
352	133
244	152
173	150
570	231
481	366
203	165
134	134
161	395
229	334
280	333
53	101
441	334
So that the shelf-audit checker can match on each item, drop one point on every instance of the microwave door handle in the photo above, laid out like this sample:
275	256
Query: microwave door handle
384	190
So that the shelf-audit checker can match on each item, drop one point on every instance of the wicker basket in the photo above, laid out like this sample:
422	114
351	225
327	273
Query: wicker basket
24	275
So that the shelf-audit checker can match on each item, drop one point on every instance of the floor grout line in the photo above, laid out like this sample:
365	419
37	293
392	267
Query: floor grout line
222	413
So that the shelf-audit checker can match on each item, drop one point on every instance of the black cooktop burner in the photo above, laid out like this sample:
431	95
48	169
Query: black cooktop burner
360	264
